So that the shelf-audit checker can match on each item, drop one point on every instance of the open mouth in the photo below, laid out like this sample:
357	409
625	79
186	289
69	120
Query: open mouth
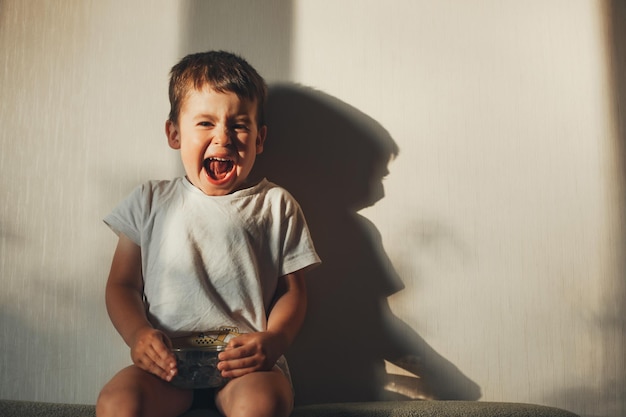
218	168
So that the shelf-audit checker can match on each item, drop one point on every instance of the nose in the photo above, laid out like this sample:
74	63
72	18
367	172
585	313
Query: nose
223	136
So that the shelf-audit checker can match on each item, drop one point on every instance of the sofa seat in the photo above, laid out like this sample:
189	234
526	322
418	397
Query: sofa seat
9	408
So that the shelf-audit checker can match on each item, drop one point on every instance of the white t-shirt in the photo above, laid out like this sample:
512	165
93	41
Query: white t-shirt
213	261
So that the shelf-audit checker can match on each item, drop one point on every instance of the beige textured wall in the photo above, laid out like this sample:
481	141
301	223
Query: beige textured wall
82	112
502	213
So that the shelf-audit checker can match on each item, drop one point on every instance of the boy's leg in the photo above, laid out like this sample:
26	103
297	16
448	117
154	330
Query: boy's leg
133	392
258	394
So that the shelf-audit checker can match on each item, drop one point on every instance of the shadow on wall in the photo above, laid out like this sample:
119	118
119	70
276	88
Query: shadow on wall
332	158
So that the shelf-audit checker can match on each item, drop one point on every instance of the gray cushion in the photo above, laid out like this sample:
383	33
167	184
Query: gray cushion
369	409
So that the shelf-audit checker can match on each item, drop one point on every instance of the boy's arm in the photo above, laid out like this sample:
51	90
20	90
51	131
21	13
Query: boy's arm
124	302
289	309
259	351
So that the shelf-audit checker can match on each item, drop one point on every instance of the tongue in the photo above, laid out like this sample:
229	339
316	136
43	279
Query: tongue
219	169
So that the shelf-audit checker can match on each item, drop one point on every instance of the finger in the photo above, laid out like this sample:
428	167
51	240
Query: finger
237	370
249	362
236	373
240	340
163	351
238	367
236	355
234	369
240	350
162	367
160	351
155	369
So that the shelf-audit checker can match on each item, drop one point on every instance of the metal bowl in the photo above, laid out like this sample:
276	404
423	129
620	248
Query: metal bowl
196	358
197	368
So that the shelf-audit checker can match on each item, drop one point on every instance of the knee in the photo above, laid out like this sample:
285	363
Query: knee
257	394
262	406
117	403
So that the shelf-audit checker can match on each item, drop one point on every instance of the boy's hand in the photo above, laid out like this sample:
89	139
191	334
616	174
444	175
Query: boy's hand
251	352
151	352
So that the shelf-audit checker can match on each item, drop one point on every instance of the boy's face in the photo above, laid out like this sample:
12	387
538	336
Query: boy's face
218	138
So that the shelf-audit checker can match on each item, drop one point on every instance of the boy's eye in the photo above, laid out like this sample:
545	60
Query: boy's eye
205	124
240	127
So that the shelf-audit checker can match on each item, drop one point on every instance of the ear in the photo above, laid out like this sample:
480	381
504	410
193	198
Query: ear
260	139
173	134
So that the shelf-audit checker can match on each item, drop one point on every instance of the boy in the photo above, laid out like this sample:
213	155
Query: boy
209	250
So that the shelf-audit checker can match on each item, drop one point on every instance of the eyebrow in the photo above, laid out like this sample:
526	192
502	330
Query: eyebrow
237	117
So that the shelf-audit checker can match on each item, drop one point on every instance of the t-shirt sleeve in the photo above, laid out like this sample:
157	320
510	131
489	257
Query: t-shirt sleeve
298	249
129	216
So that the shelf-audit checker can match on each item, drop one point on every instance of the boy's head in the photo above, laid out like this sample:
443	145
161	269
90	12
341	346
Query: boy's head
216	120
220	71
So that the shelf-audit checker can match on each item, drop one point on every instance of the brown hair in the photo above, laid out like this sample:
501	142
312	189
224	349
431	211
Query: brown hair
220	70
